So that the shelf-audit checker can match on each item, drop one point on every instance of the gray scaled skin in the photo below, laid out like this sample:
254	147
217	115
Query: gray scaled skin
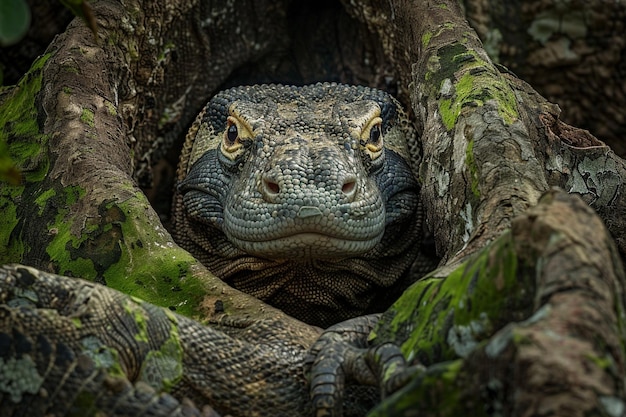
70	347
303	197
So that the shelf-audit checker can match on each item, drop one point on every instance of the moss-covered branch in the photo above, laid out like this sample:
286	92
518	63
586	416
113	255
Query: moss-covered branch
552	339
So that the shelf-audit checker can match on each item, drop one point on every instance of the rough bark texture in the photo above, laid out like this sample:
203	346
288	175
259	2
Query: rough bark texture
571	52
87	121
565	358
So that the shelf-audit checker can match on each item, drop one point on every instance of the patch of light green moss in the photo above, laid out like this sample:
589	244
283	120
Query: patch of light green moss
61	229
71	69
43	198
110	108
167	49
605	363
426	37
477	83
87	117
159	274
450	109
136	312
468	299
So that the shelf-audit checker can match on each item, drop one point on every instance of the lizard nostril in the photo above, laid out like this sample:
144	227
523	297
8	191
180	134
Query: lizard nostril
271	187
348	187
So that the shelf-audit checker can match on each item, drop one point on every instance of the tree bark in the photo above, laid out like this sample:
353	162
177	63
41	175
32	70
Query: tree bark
87	122
530	325
572	53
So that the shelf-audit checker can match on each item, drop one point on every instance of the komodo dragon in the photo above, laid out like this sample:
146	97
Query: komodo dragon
303	197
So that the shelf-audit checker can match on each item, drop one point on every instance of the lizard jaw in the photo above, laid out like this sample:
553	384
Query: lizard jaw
308	245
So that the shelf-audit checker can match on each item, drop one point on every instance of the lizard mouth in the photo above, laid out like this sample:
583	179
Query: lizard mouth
293	231
307	245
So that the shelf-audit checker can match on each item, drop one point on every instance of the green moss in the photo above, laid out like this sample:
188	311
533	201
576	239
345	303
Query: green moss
426	37
59	248
71	69
26	148
148	270
43	198
110	108
477	82
451	109
167	49
9	172
113	38
603	363
87	117
520	339
121	248
77	322
19	130
441	319
73	195
67	90
39	62
132	309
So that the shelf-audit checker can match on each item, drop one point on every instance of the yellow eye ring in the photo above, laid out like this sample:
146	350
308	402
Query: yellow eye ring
372	137
231	141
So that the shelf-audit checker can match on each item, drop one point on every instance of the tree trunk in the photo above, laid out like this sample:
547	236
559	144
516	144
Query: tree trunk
87	122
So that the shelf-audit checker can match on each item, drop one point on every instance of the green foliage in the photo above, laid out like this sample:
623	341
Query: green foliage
14	21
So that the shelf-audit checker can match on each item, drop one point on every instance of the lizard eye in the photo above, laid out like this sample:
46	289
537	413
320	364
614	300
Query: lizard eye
373	138
232	145
231	134
376	135
236	136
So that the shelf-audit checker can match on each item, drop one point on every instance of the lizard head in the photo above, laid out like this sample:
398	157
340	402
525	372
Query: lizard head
299	183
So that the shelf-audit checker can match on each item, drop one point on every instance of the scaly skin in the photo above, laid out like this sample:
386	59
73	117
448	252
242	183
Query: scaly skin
71	347
303	197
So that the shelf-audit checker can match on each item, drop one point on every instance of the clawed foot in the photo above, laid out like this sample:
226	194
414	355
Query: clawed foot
343	355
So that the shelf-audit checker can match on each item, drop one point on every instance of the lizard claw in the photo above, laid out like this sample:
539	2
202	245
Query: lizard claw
343	355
